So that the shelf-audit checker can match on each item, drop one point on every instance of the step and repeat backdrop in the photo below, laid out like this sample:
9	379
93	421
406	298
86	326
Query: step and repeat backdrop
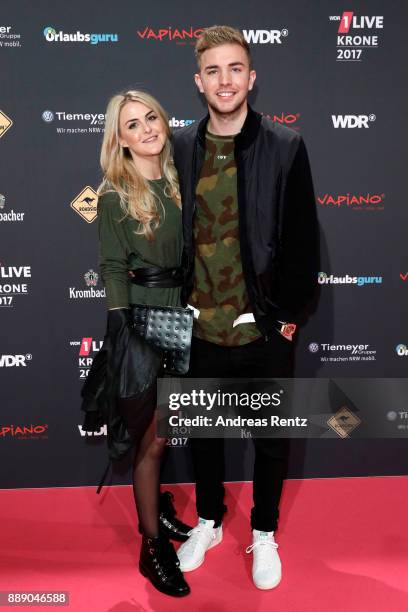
334	71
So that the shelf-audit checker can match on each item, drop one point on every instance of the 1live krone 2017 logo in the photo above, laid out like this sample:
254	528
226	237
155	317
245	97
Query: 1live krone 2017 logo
357	34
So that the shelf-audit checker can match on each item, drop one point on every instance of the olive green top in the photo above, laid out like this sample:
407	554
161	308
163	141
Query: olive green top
121	250
219	290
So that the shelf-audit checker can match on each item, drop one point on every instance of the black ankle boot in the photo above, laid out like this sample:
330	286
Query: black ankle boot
169	524
159	563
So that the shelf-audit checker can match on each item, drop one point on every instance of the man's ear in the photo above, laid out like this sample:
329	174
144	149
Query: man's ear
198	82
252	77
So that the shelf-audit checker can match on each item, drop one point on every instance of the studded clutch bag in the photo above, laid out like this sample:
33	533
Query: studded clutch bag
168	329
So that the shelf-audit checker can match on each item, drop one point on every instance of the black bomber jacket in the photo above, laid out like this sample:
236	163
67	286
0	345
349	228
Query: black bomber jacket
277	215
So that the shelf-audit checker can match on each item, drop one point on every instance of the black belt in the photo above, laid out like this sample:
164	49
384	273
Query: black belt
166	278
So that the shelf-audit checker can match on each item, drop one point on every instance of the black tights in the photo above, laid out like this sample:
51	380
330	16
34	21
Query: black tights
146	467
146	480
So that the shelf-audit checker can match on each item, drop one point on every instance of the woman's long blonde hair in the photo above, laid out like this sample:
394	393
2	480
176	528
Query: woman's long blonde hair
137	198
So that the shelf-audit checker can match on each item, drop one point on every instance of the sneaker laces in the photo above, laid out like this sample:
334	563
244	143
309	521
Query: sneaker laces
195	538
262	547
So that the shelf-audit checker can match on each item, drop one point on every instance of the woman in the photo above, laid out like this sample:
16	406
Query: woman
139	213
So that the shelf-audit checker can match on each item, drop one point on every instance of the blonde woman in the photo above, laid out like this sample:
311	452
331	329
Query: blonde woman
139	213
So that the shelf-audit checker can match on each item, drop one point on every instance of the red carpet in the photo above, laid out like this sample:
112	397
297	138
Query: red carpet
343	545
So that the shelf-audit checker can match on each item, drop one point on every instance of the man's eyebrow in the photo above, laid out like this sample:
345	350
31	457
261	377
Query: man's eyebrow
211	67
137	118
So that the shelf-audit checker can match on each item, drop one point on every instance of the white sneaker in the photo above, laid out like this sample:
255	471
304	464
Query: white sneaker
266	565
191	553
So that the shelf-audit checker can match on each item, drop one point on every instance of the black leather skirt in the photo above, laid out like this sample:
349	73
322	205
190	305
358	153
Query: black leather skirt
136	406
121	387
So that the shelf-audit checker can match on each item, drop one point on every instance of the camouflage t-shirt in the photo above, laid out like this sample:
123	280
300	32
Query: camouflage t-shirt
219	289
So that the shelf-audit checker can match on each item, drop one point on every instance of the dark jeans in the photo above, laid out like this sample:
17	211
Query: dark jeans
261	359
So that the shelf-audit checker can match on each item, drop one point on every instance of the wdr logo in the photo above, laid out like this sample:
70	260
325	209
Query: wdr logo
103	431
262	37
352	121
14	361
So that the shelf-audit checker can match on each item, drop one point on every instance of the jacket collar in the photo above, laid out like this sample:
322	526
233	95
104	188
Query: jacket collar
246	136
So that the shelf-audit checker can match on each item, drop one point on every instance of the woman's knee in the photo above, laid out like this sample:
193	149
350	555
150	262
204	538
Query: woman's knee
156	447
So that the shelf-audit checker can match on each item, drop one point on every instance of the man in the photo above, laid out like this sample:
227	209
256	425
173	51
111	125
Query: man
251	259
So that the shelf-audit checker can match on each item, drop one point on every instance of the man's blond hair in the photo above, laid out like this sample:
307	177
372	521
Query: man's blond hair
220	35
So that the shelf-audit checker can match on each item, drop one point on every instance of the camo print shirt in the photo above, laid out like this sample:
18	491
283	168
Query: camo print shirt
219	289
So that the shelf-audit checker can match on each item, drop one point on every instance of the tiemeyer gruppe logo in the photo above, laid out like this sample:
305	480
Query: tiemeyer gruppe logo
73	123
401	415
356	34
350	122
342	352
360	281
370	202
190	34
88	347
51	35
11	283
8	38
11	215
91	281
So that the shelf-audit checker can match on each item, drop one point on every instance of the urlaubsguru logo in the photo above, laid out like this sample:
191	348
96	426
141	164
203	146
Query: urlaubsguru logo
54	36
401	350
177	123
347	279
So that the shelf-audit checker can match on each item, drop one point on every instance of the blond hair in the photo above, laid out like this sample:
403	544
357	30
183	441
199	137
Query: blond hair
137	198
220	35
